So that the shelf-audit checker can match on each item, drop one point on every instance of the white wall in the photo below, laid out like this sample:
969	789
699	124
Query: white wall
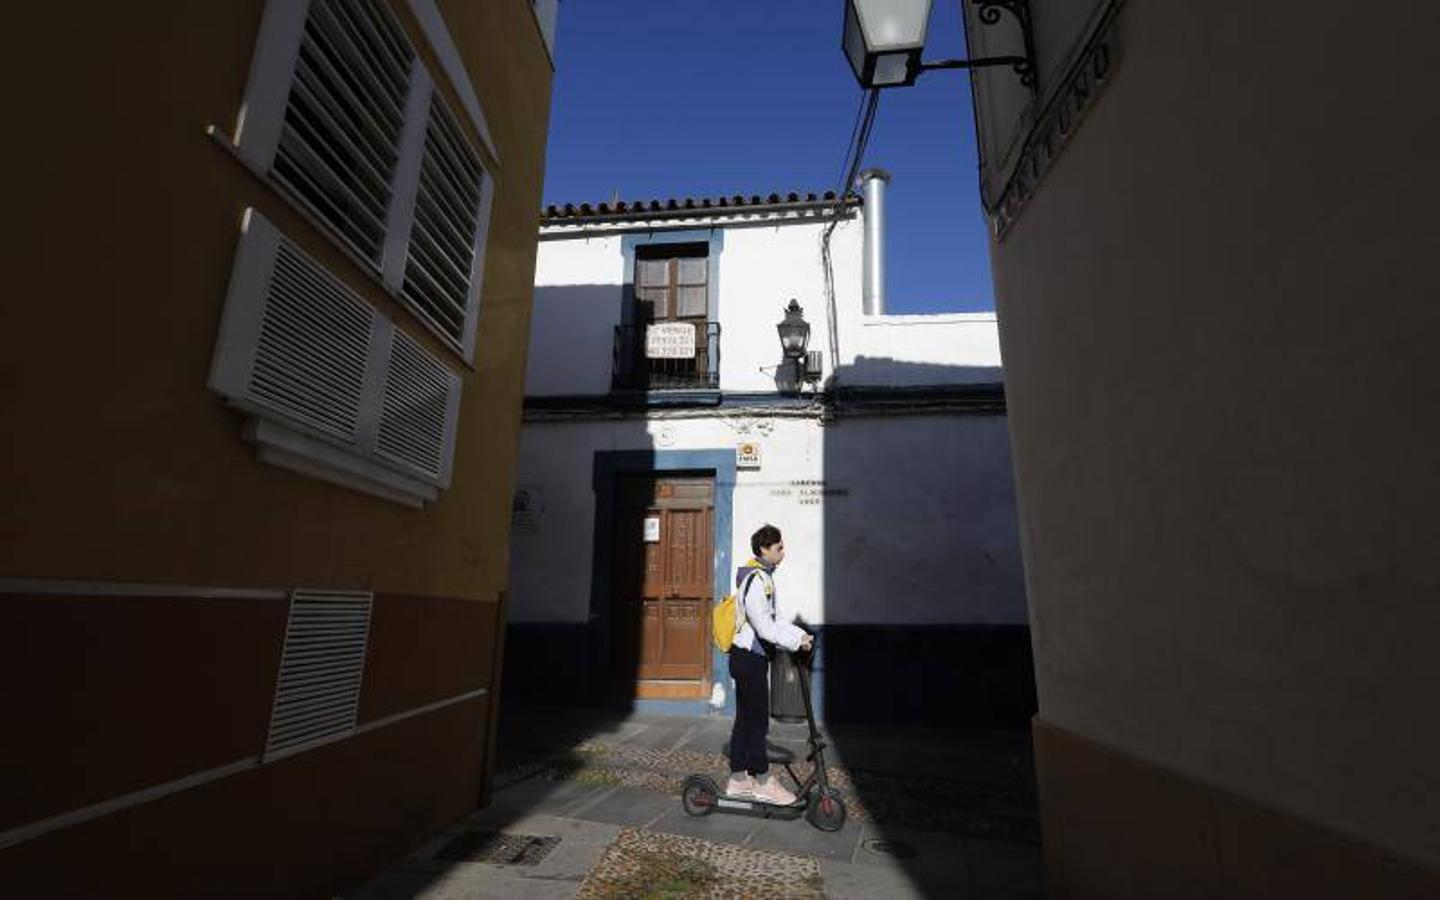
578	292
953	348
927	533
762	265
923	533
762	269
550	569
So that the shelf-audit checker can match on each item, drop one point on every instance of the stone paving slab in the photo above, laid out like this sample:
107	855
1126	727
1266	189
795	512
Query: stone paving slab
1014	867
559	874
626	806
920	849
714	827
464	882
546	796
847	881
797	836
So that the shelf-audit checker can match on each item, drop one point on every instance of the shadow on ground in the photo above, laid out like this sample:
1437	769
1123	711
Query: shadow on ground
933	812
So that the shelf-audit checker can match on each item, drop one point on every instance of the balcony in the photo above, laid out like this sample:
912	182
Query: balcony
667	358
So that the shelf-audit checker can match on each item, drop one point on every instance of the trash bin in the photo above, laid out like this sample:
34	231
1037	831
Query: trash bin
787	702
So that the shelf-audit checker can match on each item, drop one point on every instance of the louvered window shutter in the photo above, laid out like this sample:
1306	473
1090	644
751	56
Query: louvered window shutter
343	122
302	352
418	411
344	117
442	263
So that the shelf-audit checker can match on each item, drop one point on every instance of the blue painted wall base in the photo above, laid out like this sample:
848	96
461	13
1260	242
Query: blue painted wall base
955	676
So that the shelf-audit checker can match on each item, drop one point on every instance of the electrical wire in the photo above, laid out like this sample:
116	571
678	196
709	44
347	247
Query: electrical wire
849	168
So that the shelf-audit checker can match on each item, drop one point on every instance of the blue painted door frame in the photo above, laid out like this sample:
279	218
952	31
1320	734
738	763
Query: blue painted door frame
610	465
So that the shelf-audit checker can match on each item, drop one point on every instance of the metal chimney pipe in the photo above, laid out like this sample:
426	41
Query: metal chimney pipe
872	189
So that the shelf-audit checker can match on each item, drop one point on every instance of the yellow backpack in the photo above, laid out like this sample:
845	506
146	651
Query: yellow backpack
724	618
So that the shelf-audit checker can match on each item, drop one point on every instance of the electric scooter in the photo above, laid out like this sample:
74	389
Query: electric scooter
815	799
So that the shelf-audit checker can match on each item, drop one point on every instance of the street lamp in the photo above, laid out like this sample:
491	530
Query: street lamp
883	40
794	336
794	332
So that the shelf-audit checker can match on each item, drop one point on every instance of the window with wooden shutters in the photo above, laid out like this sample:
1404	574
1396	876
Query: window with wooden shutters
333	388
671	291
672	283
342	117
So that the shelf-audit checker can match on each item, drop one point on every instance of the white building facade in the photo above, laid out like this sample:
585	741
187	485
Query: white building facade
641	479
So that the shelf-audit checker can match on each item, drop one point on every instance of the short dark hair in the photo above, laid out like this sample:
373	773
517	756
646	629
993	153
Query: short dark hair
767	536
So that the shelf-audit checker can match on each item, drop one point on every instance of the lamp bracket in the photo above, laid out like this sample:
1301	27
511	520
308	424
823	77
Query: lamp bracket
989	12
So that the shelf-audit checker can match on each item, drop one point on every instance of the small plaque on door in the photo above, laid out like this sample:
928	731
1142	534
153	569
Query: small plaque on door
652	529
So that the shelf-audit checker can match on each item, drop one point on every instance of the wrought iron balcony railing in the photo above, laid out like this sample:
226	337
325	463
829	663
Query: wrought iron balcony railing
668	364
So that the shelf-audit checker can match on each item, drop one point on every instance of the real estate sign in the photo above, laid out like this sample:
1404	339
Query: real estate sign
670	340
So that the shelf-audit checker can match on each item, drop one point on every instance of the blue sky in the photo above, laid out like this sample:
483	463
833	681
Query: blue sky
662	98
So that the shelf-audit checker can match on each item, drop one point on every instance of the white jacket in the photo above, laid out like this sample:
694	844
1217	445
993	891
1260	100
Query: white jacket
758	605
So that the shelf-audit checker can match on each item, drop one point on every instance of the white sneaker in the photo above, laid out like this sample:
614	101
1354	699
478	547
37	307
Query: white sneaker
769	790
740	785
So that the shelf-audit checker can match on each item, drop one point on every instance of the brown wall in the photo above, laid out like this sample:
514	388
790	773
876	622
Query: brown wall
124	466
114	695
118	694
1218	314
1117	828
304	827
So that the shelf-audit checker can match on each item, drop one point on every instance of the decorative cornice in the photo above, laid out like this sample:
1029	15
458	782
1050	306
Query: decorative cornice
1077	93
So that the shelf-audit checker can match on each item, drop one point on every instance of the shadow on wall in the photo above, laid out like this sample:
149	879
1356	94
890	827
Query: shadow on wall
572	338
559	688
925	615
925	612
883	372
583	647
562	634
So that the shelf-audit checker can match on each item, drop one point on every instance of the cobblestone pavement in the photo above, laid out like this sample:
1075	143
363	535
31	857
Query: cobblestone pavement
588	806
644	863
989	811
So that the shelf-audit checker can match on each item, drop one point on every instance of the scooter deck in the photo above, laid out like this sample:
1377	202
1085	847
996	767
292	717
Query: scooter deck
749	806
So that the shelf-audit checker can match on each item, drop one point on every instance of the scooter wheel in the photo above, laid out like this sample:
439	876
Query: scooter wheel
826	810
698	796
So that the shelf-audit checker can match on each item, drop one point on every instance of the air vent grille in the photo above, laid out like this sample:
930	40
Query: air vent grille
317	695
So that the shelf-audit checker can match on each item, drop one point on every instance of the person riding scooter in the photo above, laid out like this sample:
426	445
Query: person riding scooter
755	585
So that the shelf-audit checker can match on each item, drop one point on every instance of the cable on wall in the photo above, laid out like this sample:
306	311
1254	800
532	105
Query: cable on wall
850	167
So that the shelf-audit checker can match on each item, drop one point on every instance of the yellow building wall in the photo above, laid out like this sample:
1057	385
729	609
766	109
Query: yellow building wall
120	464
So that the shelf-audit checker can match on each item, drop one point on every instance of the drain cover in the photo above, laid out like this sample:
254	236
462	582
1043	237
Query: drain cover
897	849
497	847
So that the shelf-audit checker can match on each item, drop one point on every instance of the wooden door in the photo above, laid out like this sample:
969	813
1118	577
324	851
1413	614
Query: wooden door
664	577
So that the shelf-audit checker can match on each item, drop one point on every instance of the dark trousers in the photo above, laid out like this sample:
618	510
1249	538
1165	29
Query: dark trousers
752	712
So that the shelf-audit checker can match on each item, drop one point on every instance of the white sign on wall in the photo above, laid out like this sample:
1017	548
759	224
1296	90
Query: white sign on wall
747	455
652	529
526	509
670	340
